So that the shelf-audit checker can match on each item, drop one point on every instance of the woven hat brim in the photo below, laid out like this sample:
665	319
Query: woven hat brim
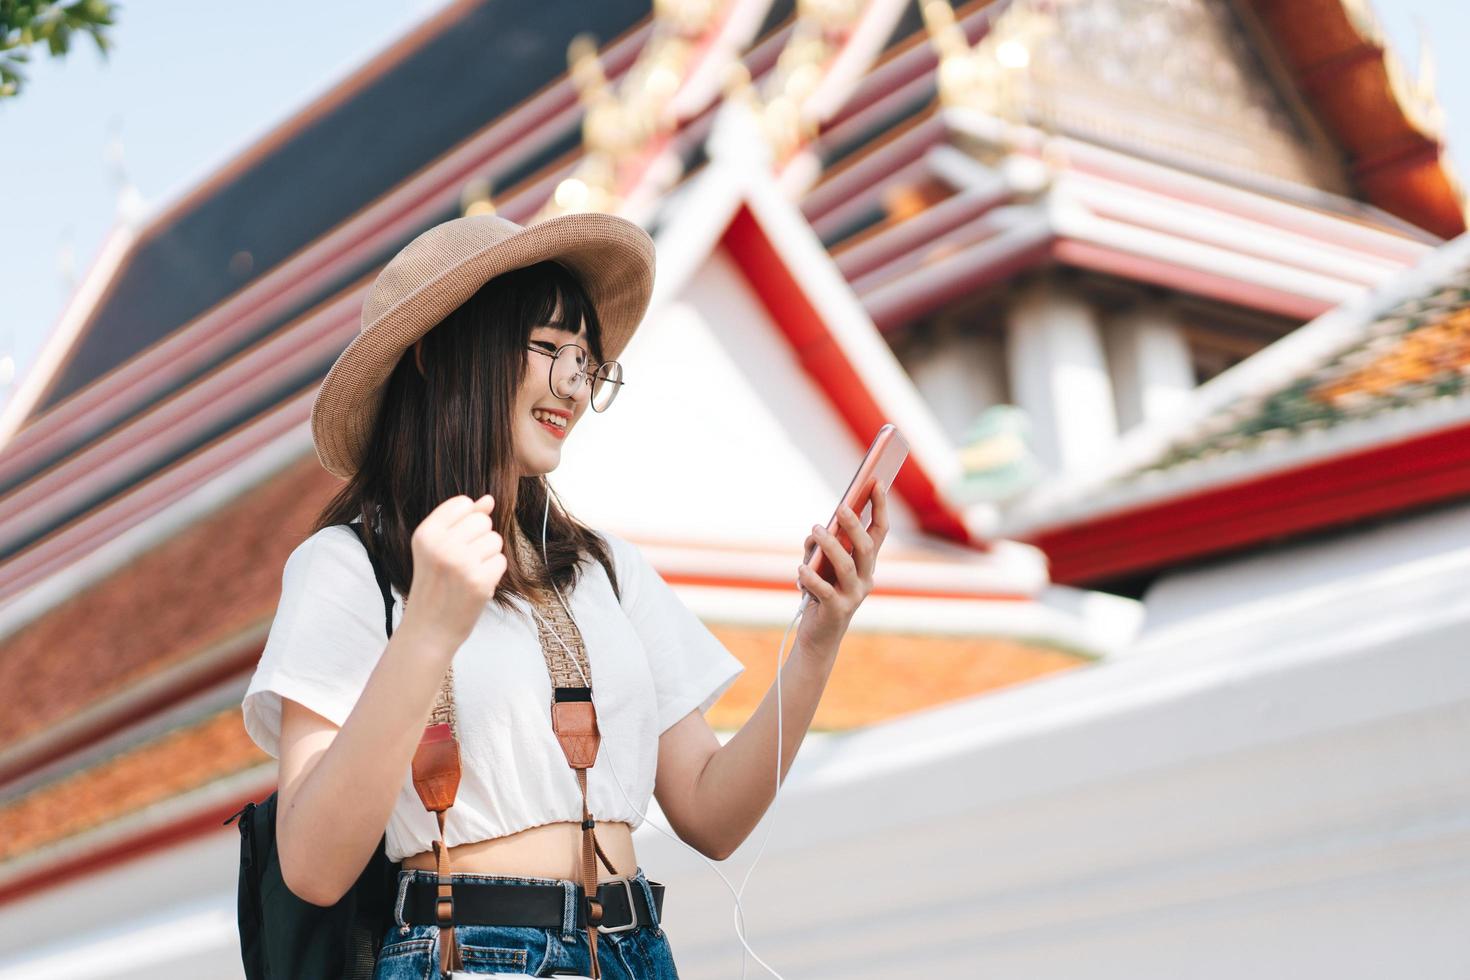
612	256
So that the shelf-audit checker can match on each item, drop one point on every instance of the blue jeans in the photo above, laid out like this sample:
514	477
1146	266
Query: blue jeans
411	952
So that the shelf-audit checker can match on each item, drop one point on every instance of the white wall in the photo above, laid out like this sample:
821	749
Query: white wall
1282	792
167	916
719	436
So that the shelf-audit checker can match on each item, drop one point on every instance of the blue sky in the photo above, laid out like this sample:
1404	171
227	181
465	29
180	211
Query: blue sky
191	84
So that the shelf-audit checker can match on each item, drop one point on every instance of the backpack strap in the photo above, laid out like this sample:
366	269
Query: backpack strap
380	575
436	771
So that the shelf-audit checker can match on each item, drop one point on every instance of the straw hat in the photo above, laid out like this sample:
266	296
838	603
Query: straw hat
440	269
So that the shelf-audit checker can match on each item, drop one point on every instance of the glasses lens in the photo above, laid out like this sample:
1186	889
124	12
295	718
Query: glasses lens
566	370
606	385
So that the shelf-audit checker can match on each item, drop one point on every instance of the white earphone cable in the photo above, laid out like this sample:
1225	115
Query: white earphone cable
780	653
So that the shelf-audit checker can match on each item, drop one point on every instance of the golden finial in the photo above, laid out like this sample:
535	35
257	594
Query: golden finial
817	37
993	75
621	123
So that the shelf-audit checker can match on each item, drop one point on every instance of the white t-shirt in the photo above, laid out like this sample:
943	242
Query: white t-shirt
652	663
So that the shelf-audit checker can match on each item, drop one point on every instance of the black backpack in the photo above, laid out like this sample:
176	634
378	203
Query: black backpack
282	936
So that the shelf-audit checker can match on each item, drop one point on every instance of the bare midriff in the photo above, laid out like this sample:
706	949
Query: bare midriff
551	850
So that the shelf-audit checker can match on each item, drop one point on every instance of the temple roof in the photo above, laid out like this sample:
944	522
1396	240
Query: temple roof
1390	129
1416	352
312	175
1361	413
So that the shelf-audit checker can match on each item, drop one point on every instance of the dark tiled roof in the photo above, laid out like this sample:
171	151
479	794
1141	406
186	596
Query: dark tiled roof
488	59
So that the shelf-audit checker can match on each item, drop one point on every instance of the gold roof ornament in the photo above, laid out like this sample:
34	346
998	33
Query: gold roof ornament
622	125
993	76
996	77
821	30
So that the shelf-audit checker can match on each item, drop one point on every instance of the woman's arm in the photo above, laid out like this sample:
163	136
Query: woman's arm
715	795
337	787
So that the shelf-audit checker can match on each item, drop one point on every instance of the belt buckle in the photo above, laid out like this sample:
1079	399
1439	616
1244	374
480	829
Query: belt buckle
632	910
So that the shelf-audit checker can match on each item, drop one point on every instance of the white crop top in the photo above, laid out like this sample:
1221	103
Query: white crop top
652	663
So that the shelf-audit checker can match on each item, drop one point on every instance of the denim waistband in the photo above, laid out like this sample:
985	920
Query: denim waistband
570	888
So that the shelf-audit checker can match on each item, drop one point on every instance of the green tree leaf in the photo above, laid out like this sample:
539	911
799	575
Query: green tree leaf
23	23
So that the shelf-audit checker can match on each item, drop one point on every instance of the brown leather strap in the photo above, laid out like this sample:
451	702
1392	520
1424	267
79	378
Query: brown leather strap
573	721
575	724
436	773
436	768
589	876
449	955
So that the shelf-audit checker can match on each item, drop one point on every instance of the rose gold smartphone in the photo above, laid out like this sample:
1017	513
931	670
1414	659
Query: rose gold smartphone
879	466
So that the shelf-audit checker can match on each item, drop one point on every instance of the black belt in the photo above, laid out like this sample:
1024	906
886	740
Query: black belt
492	903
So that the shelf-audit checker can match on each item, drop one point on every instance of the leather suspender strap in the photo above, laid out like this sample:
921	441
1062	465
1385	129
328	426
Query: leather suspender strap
436	779
436	773
574	719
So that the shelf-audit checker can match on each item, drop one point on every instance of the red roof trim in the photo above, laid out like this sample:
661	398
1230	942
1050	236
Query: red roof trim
1385	478
168	695
792	311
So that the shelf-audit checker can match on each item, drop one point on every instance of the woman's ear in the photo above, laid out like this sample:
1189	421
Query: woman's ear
418	356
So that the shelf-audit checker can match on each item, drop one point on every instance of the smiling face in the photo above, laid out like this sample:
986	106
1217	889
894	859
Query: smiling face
538	444
483	378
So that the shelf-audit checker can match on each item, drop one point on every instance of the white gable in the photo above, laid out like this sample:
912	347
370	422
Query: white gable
719	436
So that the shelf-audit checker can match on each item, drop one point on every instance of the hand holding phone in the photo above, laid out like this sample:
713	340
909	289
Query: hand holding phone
879	467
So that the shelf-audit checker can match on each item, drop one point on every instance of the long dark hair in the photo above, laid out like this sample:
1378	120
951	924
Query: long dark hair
448	432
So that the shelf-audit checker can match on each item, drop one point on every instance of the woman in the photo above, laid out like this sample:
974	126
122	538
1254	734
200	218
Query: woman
482	348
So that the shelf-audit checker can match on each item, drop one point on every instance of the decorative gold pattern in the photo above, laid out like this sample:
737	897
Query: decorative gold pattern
1182	77
621	126
992	75
821	30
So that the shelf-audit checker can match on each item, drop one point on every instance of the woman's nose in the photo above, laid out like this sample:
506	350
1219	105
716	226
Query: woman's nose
583	391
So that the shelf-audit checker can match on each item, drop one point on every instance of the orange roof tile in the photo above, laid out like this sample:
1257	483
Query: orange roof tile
202	587
174	763
877	676
880	675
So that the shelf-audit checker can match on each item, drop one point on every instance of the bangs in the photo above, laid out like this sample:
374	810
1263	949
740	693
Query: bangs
560	301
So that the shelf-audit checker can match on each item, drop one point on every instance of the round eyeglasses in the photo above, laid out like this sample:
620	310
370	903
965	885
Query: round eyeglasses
570	367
